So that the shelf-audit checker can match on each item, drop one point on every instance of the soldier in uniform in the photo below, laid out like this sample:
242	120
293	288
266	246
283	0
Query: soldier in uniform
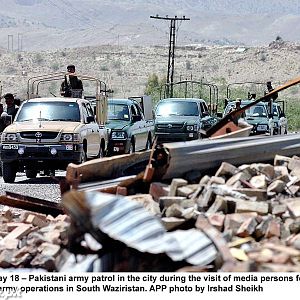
11	107
71	83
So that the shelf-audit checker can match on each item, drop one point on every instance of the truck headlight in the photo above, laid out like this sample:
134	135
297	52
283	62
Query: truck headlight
118	135
192	127
76	137
9	137
69	137
66	137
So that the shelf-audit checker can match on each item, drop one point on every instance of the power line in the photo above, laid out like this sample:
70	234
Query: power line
172	44
67	13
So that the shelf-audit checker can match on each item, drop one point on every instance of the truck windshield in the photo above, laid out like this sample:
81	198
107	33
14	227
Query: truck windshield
49	111
118	112
256	111
177	108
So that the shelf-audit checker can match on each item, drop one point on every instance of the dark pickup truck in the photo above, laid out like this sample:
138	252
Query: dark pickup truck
130	124
181	119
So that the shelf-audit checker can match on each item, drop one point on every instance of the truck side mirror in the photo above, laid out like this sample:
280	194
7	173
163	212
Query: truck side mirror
136	118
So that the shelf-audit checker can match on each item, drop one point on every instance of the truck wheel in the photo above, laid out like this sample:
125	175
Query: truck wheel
101	150
31	173
131	148
101	153
83	156
149	143
9	172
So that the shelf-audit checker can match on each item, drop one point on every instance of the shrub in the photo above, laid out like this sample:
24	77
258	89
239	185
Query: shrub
188	65
104	68
38	59
55	66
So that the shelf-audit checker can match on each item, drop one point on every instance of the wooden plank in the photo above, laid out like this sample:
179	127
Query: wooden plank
108	167
31	204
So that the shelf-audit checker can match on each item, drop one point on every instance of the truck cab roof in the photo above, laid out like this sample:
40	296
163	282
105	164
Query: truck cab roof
121	101
57	99
183	99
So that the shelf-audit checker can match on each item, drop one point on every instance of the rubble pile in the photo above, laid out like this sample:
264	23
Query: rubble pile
256	207
32	240
249	213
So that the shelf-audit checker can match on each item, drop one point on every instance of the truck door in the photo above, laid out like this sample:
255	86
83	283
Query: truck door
92	132
143	131
136	127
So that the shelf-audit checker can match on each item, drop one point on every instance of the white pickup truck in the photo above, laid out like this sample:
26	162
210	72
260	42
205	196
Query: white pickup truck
50	133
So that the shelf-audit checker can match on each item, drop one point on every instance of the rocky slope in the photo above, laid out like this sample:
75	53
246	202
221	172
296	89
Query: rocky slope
126	69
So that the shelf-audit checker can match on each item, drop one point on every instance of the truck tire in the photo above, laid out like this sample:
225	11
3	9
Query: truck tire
149	143
131	148
9	171
101	153
31	173
83	157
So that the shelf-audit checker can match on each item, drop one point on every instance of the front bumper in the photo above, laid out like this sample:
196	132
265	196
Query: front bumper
259	129
118	146
176	136
54	155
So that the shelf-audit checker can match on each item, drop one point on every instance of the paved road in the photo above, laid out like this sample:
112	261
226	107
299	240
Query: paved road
42	187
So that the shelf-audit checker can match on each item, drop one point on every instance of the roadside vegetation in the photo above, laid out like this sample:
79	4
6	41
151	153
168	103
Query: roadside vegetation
293	115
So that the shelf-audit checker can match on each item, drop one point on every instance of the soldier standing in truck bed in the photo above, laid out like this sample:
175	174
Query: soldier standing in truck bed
71	83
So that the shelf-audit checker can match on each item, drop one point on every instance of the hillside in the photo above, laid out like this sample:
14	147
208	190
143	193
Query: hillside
126	69
56	24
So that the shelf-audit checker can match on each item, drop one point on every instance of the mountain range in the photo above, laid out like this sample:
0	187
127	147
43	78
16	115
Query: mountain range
33	25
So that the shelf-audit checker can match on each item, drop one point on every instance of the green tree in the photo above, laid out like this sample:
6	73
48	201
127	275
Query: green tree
155	87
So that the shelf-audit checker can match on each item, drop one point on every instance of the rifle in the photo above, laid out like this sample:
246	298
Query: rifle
67	88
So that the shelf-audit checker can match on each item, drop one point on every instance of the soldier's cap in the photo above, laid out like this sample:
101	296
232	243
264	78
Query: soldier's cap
8	96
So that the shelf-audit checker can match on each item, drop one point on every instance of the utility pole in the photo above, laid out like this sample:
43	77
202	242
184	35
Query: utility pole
10	42
20	42
172	42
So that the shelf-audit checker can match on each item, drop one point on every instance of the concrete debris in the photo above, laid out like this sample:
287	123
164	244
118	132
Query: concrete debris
32	240
249	214
176	183
256	206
